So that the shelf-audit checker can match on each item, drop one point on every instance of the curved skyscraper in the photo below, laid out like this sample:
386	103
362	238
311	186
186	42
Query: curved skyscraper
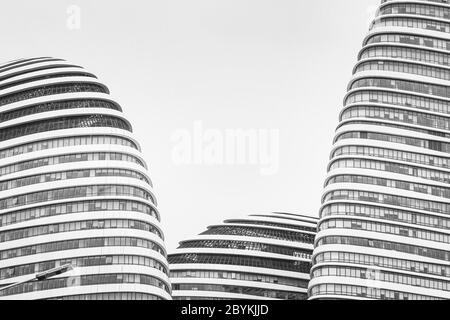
74	190
384	231
262	256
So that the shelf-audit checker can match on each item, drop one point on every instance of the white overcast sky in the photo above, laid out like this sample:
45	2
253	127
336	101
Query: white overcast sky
232	64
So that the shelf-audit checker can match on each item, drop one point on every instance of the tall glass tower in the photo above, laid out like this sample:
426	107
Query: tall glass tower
384	231
74	190
262	256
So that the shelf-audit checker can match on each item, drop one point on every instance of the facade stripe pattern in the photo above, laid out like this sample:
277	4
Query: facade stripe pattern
74	189
384	229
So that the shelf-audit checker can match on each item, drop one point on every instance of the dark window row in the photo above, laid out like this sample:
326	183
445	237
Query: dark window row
418	9
68	158
427	144
268	293
257	262
365	292
87	121
386	245
272	224
404	67
368	123
246	245
26	62
241	276
442	192
382	276
385	228
261	233
178	298
67	175
85	280
406	53
416	40
76	207
412	23
435	1
45	77
110	296
289	217
404	85
57	105
399	99
51	90
80	262
54	67
388	199
97	224
404	169
399	155
80	244
403	116
104	190
65	142
374	212
377	261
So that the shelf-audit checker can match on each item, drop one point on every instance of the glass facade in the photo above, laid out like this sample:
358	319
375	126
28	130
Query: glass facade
74	190
384	227
265	256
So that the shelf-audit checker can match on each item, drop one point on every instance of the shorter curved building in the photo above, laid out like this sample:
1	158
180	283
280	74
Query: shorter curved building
262	256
